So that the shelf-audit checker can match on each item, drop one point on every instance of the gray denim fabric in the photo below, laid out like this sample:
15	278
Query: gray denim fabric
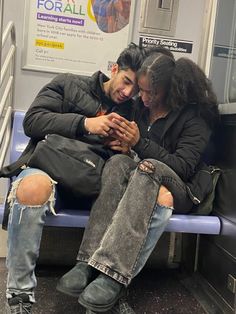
117	235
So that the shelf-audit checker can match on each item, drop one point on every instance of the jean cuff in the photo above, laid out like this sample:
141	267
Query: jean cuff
111	273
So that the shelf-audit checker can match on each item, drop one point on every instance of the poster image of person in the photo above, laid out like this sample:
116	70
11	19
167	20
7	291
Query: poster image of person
111	15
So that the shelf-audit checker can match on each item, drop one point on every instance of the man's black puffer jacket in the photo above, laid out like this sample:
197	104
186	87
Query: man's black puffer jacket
61	108
63	104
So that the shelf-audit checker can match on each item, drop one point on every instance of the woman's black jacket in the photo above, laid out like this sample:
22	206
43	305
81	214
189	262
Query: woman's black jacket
180	144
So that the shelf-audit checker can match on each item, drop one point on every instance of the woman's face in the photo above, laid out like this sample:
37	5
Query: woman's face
149	97
144	90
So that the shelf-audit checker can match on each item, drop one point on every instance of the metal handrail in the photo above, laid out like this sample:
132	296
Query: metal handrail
7	62
5	124
6	94
6	99
10	30
6	143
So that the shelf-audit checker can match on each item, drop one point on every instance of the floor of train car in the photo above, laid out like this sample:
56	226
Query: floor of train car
152	292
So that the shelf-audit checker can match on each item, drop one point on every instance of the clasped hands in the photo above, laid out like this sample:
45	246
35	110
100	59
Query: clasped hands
120	133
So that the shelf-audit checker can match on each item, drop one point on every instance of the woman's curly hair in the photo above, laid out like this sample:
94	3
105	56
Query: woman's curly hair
183	83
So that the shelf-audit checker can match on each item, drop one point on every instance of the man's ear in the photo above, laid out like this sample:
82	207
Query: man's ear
114	69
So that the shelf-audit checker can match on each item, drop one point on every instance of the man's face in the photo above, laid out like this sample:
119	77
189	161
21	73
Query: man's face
122	85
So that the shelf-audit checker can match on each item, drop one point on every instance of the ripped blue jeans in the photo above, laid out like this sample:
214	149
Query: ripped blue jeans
25	227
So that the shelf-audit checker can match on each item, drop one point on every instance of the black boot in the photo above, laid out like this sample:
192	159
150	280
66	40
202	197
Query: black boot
19	304
101	294
74	282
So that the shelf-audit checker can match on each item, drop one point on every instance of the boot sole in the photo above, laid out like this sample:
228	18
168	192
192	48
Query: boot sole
101	308
74	294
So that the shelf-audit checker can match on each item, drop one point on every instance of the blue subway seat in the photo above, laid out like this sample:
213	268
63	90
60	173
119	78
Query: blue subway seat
78	218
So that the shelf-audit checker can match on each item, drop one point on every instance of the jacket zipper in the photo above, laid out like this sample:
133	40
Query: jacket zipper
194	198
99	109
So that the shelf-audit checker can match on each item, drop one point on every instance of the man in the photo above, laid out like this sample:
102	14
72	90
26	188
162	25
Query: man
71	106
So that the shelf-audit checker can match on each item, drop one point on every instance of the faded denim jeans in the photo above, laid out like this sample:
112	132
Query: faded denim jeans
124	225
126	222
24	236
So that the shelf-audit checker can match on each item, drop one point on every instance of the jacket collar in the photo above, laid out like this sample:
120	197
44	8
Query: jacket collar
97	88
96	85
170	118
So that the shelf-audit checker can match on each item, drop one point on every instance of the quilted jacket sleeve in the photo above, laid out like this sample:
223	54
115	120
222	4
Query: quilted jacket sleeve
45	114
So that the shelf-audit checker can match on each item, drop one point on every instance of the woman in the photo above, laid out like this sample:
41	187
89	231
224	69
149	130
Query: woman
174	118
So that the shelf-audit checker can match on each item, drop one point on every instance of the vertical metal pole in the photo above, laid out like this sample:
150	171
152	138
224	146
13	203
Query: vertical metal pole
206	43
1	26
196	253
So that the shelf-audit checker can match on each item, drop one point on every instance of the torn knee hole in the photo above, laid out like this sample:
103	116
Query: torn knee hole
165	200
32	193
146	166
165	197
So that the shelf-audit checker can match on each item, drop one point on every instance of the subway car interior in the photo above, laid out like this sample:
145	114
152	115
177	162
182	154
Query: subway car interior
193	266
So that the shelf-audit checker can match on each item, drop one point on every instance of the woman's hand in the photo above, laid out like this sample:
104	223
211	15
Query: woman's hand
126	131
118	146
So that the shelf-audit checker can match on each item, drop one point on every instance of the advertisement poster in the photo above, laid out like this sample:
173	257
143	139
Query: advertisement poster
78	36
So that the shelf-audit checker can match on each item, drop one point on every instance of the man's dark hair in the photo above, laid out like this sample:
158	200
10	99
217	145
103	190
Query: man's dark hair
131	58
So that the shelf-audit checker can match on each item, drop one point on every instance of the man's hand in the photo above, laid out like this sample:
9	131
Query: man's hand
126	131
102	125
